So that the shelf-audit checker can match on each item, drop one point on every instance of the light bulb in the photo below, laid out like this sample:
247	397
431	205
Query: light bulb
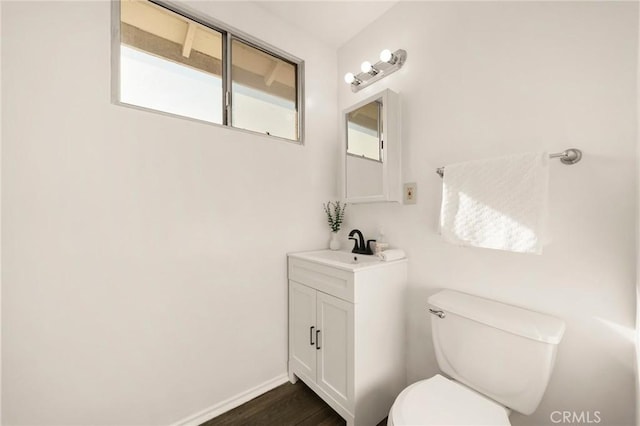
366	66
349	78
386	55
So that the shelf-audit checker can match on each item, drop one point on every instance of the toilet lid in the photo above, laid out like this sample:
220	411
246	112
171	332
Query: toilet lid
440	401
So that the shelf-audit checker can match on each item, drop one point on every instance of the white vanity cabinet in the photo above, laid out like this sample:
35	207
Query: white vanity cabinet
347	333
322	345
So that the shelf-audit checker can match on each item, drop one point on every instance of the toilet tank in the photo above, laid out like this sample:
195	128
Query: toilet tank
502	351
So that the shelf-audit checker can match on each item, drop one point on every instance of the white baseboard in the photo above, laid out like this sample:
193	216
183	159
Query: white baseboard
231	403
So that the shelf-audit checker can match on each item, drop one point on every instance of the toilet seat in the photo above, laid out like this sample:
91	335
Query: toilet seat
440	401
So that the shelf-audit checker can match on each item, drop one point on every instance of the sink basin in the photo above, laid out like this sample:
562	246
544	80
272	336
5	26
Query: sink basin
340	259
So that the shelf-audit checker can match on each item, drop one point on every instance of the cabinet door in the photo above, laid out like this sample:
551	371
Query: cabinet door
335	357
302	329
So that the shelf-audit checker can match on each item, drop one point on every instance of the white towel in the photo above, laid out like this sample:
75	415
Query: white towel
392	254
499	203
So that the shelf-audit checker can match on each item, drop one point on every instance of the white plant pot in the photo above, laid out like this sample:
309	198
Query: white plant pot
334	244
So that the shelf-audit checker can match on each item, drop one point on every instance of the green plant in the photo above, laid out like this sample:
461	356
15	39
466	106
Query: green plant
335	214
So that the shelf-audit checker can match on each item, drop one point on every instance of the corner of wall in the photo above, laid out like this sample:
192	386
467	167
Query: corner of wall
637	343
0	217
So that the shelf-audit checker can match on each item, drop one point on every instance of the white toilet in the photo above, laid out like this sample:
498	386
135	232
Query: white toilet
499	358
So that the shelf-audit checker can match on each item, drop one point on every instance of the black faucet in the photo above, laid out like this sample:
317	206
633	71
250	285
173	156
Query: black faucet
359	247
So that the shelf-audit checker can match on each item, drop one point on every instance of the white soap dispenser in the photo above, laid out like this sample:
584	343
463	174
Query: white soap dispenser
381	243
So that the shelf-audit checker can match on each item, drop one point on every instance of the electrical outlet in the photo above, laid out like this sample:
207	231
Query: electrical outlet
410	193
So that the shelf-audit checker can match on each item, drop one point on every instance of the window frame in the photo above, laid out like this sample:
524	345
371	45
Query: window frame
228	35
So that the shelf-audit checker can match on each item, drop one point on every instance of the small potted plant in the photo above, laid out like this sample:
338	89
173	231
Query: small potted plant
335	216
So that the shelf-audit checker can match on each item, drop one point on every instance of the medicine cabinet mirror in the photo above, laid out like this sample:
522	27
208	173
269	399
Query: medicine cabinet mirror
370	154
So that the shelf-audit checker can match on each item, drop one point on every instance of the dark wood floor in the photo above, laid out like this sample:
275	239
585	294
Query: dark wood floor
286	405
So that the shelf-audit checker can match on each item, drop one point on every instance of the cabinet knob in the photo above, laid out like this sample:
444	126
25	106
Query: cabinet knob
311	342
318	339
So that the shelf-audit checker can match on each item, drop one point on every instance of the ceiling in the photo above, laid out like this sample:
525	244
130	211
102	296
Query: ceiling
332	22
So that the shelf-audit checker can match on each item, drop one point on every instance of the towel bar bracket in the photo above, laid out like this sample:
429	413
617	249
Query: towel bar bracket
570	156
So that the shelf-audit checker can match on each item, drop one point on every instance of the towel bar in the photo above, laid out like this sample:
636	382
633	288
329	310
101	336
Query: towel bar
568	156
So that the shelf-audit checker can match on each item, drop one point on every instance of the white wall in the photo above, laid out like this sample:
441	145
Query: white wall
145	269
489	78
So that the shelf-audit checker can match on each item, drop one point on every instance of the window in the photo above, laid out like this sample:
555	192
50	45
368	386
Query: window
264	89
172	63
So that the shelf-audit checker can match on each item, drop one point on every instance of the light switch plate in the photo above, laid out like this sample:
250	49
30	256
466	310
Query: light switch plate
410	193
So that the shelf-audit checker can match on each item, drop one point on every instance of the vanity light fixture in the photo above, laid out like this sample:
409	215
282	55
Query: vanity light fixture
389	62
